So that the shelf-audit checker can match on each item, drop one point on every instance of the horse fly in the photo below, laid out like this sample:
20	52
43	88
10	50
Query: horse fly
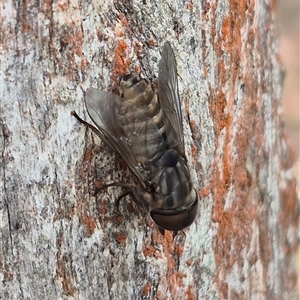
146	130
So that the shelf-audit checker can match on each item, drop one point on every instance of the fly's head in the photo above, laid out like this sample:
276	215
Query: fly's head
178	201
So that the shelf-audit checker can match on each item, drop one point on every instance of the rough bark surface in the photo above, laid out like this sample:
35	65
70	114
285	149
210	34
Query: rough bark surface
59	240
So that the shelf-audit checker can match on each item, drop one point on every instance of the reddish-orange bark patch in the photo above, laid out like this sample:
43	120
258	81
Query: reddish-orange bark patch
205	191
63	271
171	252
150	251
190	5
160	296
190	293
137	69
102	207
178	249
121	238
146	289
119	218
26	27
123	19
189	262
151	43
62	6
289	218
89	223
66	283
122	61
234	222
194	151
8	276
193	125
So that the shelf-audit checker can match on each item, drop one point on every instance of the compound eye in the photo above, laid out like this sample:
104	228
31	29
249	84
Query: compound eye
175	220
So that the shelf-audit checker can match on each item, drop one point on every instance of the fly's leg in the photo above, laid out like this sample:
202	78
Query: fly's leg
126	186
105	140
117	201
93	128
97	132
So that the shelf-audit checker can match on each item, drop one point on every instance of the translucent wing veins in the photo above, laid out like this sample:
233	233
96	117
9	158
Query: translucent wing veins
169	97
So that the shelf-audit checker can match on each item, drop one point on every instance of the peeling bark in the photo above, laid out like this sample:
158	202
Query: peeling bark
58	239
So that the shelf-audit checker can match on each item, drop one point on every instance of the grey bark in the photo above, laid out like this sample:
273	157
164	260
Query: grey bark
61	241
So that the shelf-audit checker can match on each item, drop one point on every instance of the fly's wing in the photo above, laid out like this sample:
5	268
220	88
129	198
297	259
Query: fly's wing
169	99
125	129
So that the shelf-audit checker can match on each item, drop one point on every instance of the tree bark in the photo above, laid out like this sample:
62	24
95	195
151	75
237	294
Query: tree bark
60	240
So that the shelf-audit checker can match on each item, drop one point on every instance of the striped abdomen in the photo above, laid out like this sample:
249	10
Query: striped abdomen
150	146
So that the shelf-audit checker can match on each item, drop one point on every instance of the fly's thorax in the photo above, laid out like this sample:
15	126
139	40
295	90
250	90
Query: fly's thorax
170	187
174	203
173	188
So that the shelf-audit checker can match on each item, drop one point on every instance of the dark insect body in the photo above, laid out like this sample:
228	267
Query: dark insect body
146	131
